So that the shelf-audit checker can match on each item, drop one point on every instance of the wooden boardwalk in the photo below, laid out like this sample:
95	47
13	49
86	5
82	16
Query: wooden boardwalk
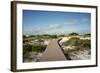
53	52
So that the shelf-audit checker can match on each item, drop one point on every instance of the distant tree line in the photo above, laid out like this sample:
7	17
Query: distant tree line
56	36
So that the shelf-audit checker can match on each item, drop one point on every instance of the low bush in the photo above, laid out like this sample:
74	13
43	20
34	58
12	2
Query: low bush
73	34
39	48
74	41
35	48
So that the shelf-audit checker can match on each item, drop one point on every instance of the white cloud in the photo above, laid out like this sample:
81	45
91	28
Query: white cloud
40	30
55	26
51	27
71	22
85	20
74	21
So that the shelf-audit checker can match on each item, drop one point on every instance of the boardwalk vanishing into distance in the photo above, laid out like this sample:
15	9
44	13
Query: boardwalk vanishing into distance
53	52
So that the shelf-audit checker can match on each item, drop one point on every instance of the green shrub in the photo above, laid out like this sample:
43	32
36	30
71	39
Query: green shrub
27	48
38	48
79	45
53	36
35	48
86	43
87	35
74	41
73	34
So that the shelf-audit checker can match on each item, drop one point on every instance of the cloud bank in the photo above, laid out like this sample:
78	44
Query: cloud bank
50	27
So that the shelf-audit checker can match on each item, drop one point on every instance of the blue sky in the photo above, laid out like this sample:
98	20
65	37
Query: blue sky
54	22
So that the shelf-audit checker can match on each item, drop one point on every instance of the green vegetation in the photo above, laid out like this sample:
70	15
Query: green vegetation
62	35
73	34
86	43
34	48
74	41
32	36
27	48
24	36
38	48
87	35
53	36
44	36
